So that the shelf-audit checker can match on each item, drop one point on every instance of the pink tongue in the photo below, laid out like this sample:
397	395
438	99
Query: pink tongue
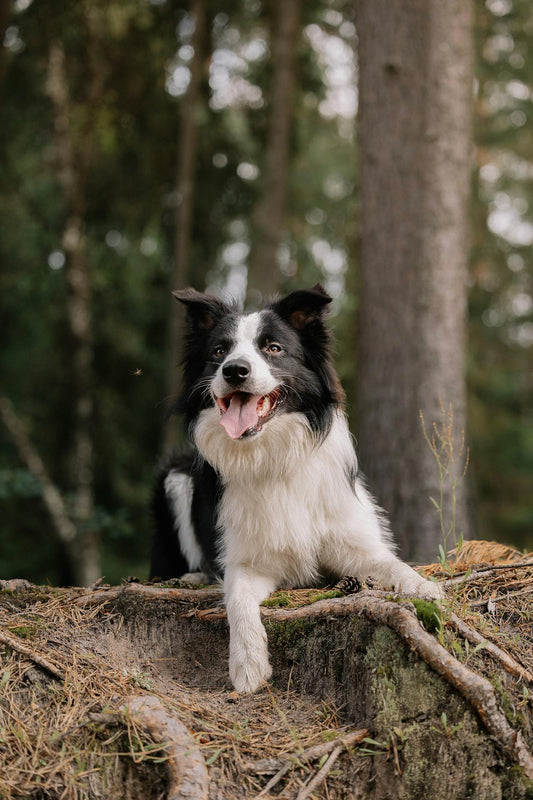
241	414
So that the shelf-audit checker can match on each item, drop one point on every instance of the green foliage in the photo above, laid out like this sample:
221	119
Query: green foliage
124	52
500	300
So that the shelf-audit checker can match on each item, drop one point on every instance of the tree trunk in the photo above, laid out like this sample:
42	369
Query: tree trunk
72	164
268	215
185	179
5	10
415	145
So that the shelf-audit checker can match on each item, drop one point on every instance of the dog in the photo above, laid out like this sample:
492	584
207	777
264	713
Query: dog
270	495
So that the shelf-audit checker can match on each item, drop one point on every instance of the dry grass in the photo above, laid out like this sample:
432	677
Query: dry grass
65	737
489	587
56	739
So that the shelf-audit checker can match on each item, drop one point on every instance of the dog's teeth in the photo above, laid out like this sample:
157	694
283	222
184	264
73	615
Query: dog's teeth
264	406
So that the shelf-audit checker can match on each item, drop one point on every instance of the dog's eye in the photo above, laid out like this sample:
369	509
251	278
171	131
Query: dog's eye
219	351
274	348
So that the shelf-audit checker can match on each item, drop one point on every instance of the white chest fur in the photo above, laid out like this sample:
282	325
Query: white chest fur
288	503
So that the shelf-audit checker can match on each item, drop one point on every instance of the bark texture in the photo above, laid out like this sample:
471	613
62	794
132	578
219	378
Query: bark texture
269	212
415	147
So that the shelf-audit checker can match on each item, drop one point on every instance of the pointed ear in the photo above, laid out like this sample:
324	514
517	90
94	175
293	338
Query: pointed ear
203	310
303	306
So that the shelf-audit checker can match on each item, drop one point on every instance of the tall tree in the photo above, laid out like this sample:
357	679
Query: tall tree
181	275
72	152
5	8
268	213
415	61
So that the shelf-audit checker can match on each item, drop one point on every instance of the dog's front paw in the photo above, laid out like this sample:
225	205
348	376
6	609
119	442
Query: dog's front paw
248	673
420	587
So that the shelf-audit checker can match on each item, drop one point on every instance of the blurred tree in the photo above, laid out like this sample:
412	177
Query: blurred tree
268	215
5	8
415	138
143	52
72	153
181	273
501	292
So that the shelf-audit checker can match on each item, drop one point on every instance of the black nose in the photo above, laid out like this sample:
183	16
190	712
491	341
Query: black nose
235	372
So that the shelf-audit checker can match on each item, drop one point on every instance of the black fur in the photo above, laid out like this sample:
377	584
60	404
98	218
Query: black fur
310	386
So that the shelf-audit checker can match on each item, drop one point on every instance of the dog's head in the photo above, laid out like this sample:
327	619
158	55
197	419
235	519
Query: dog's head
258	365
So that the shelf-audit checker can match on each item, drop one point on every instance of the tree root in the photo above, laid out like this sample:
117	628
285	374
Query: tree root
186	767
185	595
376	607
507	662
474	688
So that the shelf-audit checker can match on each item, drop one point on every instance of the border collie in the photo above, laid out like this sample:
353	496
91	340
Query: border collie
270	495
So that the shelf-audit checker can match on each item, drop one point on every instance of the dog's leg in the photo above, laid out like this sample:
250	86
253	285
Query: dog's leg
381	564
392	571
248	651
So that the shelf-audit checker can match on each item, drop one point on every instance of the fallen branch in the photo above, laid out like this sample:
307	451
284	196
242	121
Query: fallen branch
320	776
282	766
15	644
507	662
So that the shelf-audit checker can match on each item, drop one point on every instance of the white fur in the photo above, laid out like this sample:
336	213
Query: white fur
179	490
288	513
261	380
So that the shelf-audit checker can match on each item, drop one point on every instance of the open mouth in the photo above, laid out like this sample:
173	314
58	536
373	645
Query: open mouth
244	414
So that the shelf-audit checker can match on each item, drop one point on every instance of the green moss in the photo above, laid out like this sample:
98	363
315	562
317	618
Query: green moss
326	594
428	613
277	600
24	631
288	634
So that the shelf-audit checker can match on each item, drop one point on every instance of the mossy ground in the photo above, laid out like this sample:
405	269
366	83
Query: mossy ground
331	675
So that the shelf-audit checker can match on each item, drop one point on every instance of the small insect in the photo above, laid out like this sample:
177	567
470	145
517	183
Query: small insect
137	372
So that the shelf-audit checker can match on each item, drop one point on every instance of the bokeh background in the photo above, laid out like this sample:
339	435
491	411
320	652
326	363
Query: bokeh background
137	140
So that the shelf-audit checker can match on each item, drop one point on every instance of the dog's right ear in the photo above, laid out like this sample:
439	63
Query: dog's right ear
203	310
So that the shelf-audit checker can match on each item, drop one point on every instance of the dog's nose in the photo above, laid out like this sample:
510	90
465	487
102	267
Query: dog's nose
236	372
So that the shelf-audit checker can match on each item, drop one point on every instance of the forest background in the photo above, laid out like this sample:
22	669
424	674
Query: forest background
139	141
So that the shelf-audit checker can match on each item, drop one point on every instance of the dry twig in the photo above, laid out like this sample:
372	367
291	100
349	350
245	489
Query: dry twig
507	662
320	776
350	739
15	644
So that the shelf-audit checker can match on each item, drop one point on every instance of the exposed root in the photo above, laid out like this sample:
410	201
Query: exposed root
184	594
508	663
474	688
186	767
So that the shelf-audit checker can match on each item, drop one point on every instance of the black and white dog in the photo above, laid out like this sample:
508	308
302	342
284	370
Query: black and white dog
271	495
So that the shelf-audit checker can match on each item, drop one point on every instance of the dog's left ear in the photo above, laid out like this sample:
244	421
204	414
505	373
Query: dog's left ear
203	310
303	306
